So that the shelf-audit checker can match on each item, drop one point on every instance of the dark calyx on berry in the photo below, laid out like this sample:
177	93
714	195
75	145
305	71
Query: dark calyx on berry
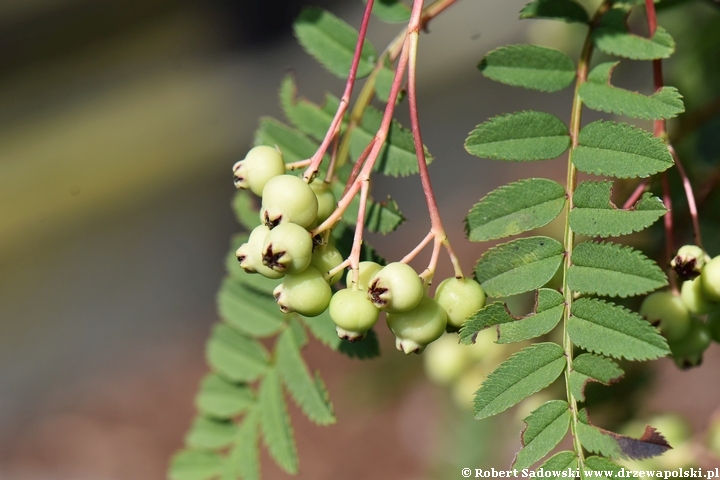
272	259
376	293
685	270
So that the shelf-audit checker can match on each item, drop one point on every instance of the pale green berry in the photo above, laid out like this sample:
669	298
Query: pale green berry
306	293
325	258
694	298
416	328
460	298
325	198
711	279
688	351
668	313
288	199
260	165
250	254
445	359
353	314
396	288
366	270
689	261
287	249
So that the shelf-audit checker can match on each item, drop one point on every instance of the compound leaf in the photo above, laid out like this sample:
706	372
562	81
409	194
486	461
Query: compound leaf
518	266
612	37
383	217
609	444
524	373
529	66
548	312
323	328
210	433
602	327
253	314
545	427
495	313
332	42
365	349
391	11
515	208
244	457
522	136
195	465
397	157
565	10
598	94
592	368
293	144
235	356
300	383
620	150
595	215
605	268
311	119
561	461
275	423
222	399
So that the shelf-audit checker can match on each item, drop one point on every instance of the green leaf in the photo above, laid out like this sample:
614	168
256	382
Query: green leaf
518	266
605	268
323	328
515	208
549	306
598	94
522	136
397	157
545	427
592	368
235	356
609	444
548	312
222	399
595	215
253	314
524	373
300	383
298	331
529	66
275	423
602	327
246	211
391	11
244	457
383	217
332	42
620	150
210	434
561	461
365	349
293	144
311	119
612	37
195	465
599	464
565	10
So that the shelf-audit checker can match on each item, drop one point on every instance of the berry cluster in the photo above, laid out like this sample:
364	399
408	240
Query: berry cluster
677	316
285	246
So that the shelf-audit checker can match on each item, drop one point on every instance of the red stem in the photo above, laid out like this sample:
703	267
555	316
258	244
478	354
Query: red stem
692	206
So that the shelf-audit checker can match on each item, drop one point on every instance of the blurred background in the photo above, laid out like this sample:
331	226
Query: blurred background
119	124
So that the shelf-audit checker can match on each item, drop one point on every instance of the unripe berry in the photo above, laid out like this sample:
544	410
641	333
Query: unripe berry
668	313
325	258
694	298
325	198
366	270
396	288
711	279
688	351
416	328
306	293
250	254
446	359
689	261
460	298
287	249
353	313
288	199
260	165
